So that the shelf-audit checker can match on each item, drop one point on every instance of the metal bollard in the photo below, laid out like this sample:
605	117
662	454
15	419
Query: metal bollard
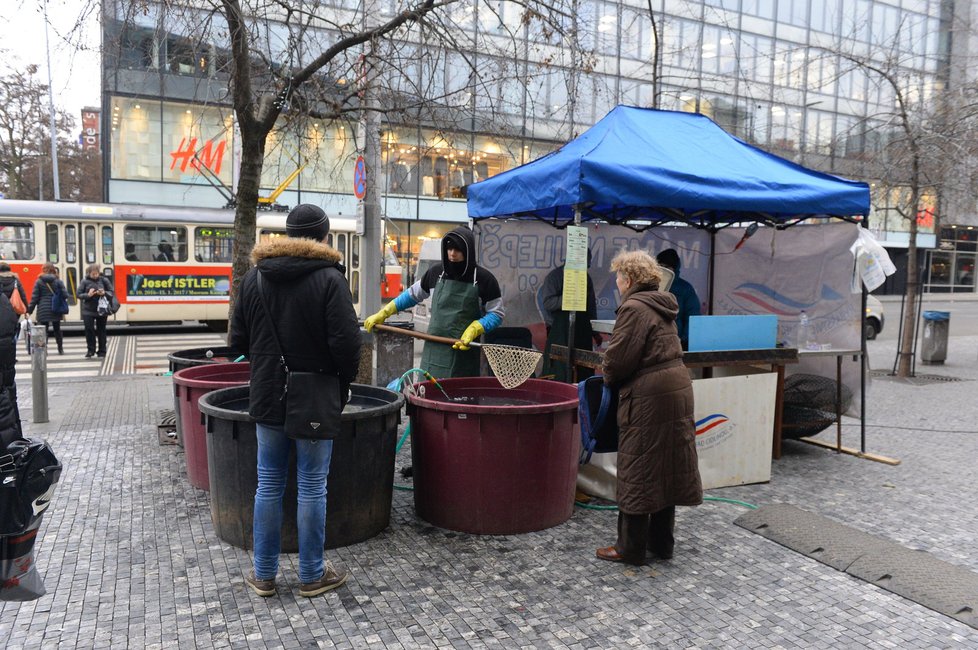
39	371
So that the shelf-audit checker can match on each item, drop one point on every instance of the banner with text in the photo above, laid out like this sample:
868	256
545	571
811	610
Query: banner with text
156	288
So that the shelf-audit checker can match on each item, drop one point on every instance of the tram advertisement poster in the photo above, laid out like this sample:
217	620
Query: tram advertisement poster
191	286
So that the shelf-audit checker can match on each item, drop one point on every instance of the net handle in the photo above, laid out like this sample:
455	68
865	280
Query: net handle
422	335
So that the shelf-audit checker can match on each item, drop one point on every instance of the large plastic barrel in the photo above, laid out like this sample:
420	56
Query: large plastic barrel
189	385
194	357
361	475
488	460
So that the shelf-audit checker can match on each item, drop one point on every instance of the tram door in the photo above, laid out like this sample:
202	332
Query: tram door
78	245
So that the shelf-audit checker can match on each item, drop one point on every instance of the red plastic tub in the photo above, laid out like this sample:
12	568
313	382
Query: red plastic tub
499	463
189	385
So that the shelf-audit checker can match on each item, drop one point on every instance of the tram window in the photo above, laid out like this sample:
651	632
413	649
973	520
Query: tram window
214	245
107	251
266	236
16	241
329	239
355	251
355	286
71	245
341	244
71	281
90	245
51	242
156	243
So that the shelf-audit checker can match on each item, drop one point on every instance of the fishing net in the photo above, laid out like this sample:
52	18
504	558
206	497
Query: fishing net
511	365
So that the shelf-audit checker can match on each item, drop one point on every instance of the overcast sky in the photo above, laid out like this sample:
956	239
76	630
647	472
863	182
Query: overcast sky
74	71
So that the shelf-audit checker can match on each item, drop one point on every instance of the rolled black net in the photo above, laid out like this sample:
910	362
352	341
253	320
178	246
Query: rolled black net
809	405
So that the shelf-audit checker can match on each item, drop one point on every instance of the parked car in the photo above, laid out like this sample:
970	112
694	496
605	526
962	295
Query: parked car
874	317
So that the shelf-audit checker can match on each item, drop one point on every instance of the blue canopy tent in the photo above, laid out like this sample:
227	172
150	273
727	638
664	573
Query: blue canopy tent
652	167
642	168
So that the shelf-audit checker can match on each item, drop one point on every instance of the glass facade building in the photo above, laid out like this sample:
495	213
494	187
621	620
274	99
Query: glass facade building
779	74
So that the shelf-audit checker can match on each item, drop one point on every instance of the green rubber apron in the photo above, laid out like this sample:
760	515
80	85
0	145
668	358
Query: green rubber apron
454	305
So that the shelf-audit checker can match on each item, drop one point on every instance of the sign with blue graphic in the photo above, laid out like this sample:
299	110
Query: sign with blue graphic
360	178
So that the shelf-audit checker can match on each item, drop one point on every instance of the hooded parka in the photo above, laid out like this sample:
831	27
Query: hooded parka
657	462
306	291
44	288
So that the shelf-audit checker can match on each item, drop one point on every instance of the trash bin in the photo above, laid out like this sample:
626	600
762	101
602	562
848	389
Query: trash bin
189	385
186	359
933	349
361	474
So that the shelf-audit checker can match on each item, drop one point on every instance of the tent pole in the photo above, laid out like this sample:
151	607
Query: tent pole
713	248
863	362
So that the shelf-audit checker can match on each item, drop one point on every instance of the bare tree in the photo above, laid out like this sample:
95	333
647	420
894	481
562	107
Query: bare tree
24	132
292	62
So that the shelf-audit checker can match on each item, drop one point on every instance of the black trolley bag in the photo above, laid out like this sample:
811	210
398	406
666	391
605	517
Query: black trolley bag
598	410
29	471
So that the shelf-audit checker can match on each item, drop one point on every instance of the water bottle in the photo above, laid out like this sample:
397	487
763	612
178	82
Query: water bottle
804	334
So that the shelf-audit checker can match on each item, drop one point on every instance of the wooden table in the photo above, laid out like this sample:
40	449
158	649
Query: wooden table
773	359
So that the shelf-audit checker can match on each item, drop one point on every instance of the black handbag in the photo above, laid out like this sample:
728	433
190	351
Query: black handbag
313	400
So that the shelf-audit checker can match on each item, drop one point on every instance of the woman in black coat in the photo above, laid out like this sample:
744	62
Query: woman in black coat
47	286
93	287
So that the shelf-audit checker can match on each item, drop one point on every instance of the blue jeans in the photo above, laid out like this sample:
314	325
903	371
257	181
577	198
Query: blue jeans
312	464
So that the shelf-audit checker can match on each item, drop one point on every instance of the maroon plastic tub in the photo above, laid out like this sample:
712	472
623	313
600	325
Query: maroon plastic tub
494	461
189	385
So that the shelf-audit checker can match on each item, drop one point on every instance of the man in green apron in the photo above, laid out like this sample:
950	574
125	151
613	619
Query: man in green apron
465	303
558	324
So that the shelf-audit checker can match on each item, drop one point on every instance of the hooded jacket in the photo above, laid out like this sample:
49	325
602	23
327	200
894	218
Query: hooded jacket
490	295
89	304
309	299
9	280
45	287
657	461
689	304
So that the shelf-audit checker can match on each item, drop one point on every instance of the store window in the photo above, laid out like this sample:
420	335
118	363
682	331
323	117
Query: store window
213	245
136	145
16	241
155	243
197	142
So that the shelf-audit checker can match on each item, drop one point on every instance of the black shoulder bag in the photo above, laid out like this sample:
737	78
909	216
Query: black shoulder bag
313	401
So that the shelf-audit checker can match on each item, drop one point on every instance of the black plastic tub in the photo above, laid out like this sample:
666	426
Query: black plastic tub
361	476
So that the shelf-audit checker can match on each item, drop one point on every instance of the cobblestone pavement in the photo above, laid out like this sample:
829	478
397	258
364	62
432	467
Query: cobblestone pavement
130	558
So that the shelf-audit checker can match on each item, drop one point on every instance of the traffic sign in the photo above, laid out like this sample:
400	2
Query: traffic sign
360	178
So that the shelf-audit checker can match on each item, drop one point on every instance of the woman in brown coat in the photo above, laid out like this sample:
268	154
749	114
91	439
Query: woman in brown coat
657	464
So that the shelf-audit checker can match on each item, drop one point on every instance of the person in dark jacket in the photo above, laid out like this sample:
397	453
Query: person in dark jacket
657	462
689	302
48	285
308	297
558	324
9	324
93	287
9	282
466	302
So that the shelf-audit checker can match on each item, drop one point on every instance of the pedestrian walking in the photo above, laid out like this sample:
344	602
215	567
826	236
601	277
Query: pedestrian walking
94	310
307	323
50	298
657	463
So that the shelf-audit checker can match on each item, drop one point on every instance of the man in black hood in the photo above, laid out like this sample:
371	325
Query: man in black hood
466	303
315	329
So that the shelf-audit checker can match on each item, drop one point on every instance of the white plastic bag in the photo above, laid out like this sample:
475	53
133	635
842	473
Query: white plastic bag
873	263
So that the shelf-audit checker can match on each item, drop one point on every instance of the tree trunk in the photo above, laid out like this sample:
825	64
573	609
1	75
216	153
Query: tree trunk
905	353
249	177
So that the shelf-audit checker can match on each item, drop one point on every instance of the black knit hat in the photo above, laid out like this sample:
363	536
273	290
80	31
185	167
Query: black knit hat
307	220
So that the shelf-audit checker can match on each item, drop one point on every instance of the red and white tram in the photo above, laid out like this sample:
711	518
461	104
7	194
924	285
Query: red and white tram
167	264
